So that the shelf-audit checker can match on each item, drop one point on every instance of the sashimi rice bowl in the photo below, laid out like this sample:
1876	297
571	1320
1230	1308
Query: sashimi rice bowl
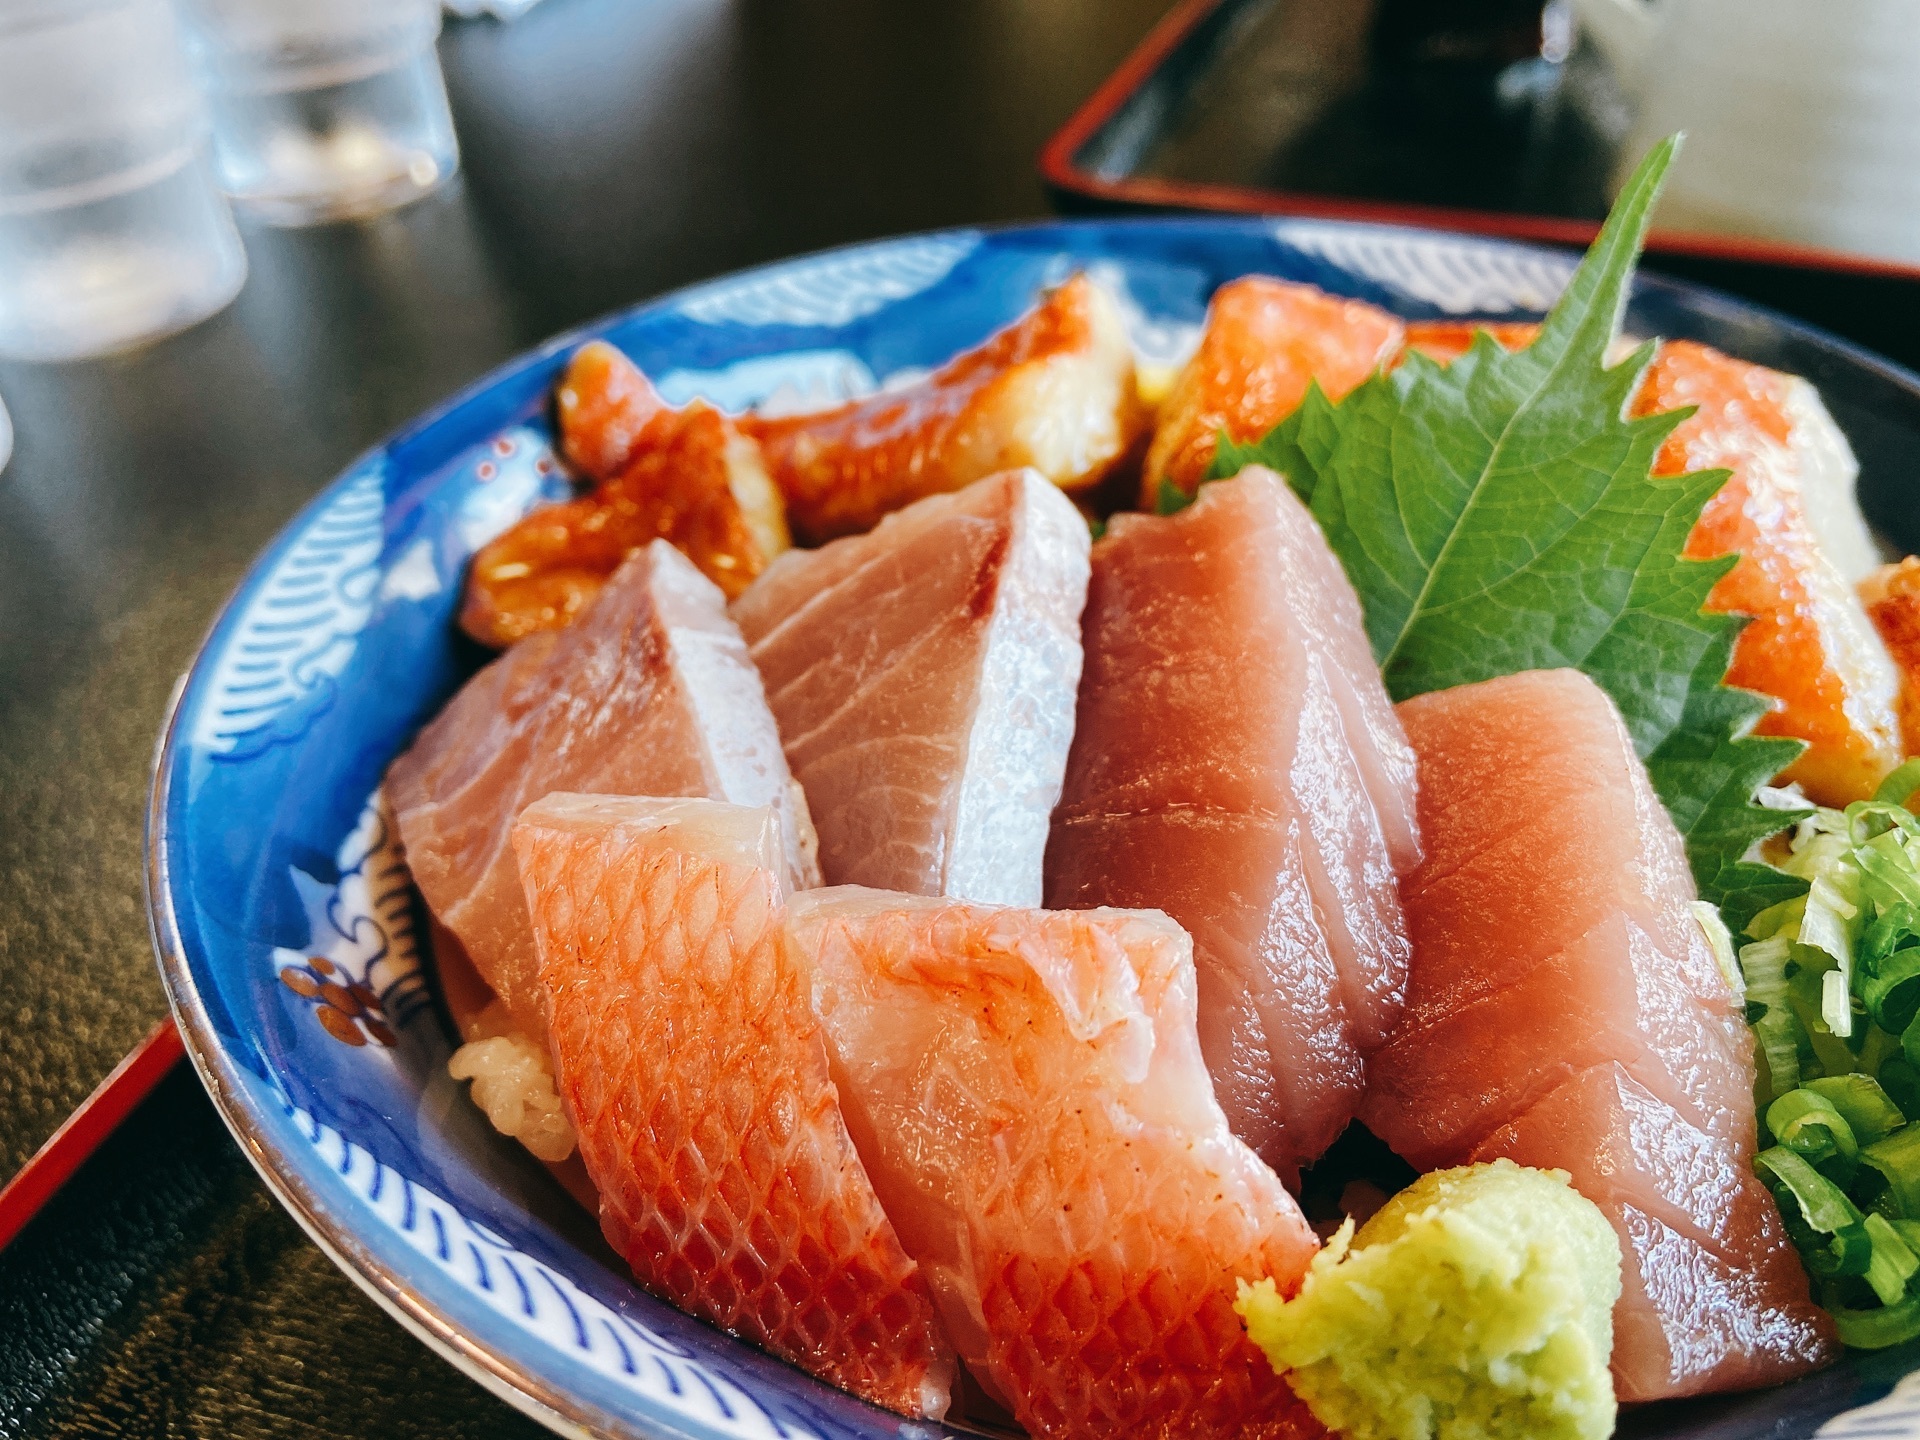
1339	875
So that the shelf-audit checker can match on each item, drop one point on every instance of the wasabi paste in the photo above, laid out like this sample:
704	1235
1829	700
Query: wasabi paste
1476	1305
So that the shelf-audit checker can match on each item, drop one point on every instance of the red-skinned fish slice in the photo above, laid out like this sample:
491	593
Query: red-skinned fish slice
1027	1091
694	1074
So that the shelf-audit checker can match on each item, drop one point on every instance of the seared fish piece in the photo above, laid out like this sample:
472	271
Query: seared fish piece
1266	341
1054	391
685	476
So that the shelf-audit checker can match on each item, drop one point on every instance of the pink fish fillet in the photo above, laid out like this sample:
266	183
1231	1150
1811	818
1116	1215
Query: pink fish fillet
1564	1010
1238	765
650	692
694	1074
1027	1091
923	679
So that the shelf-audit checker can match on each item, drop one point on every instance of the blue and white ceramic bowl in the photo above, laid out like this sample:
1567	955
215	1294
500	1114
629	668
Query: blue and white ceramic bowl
290	936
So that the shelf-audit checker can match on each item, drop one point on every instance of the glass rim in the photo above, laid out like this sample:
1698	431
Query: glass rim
101	187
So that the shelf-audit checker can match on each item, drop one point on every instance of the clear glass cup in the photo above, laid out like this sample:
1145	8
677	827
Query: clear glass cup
323	109
112	230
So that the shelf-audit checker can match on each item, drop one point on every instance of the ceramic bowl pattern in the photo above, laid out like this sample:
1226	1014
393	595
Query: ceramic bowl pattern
290	937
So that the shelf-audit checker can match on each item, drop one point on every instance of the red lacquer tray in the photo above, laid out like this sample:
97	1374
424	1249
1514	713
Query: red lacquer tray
1299	107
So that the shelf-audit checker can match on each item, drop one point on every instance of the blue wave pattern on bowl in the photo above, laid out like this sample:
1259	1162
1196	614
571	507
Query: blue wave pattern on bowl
291	935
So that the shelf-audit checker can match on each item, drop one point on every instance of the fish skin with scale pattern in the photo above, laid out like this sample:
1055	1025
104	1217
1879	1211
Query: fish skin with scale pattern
695	1076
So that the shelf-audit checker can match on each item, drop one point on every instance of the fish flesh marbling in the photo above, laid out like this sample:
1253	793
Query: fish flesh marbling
923	679
650	692
1564	1010
1238	765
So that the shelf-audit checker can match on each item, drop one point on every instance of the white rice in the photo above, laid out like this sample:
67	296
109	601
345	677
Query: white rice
513	1084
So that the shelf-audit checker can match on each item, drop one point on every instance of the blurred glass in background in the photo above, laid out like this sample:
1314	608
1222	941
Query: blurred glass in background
112	230
6	435
323	109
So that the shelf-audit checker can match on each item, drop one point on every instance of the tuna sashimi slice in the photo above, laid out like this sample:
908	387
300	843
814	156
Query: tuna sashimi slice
650	692
695	1076
1714	1296
1238	765
1027	1091
923	679
1564	1010
1266	341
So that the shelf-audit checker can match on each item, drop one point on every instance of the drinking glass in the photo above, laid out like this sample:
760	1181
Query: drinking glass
323	109
112	230
6	435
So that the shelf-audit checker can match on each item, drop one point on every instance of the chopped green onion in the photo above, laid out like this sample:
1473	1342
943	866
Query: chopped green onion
1902	1083
1869	1112
1892	1265
1707	915
1765	965
1898	787
1878	1329
1808	1124
1820	1209
1897	1159
1833	997
1892	991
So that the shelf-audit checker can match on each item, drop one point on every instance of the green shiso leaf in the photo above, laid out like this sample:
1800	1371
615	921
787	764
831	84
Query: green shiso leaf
1499	515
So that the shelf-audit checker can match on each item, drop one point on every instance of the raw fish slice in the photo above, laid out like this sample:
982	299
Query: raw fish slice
605	405
695	1076
685	476
1027	1092
1273	1026
1809	644
1892	597
1625	858
1553	1019
1614	995
650	693
1445	341
1237	764
1266	341
1054	390
1714	1296
923	678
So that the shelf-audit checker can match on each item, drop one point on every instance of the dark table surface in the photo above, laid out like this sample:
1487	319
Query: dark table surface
613	149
